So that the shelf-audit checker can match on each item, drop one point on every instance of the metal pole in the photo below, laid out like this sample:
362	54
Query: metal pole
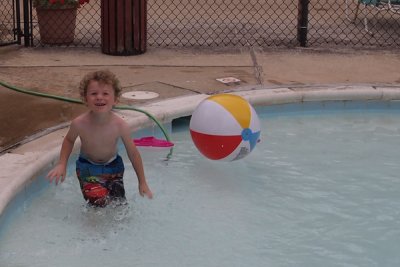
302	22
27	21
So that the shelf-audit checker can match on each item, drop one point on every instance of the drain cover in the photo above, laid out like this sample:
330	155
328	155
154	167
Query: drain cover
139	95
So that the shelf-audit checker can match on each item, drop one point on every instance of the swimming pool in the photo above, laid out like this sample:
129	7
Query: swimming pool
321	188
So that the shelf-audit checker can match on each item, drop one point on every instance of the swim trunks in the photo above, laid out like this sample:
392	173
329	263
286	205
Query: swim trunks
101	183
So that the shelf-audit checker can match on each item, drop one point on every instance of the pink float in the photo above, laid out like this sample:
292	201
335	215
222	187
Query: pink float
151	141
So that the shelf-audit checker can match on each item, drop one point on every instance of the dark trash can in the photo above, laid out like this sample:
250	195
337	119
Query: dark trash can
123	27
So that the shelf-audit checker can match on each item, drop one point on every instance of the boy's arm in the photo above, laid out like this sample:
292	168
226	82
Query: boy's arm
58	173
136	160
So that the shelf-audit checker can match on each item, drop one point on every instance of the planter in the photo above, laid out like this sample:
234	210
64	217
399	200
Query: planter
123	27
57	26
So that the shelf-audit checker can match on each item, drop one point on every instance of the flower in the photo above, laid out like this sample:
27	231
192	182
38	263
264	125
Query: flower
58	4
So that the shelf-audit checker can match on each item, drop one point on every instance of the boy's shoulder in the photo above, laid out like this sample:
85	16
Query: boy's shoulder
118	120
81	118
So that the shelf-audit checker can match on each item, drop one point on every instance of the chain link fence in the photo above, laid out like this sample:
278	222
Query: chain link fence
238	23
222	23
8	22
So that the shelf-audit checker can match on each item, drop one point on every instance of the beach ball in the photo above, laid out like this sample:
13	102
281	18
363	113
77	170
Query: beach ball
225	127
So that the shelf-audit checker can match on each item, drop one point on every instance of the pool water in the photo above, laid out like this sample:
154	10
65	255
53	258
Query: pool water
321	189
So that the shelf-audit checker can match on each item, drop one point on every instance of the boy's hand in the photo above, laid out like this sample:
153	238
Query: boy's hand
145	190
57	173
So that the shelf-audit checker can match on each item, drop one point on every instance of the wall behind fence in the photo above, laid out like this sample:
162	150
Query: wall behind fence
237	23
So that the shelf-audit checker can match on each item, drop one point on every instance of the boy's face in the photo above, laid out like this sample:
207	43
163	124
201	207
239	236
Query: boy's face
100	97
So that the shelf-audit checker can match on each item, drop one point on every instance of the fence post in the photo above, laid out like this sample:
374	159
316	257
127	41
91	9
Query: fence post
123	27
302	22
26	32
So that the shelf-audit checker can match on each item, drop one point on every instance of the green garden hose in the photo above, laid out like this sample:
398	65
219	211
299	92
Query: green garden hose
77	101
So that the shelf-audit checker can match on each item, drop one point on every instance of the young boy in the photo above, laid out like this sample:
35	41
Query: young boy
99	168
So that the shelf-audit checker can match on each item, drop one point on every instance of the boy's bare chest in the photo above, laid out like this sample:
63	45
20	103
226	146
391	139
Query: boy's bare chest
99	135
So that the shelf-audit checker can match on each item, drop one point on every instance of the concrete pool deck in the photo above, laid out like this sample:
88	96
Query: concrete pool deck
171	73
182	78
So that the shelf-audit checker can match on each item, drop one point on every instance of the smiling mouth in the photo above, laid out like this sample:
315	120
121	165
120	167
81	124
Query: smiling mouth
99	104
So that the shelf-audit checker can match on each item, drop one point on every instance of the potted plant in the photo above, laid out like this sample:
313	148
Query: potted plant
57	20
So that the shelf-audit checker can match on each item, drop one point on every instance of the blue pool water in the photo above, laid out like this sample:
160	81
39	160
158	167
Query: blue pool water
321	189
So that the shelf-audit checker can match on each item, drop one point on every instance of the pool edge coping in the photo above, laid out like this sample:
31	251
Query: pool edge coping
23	164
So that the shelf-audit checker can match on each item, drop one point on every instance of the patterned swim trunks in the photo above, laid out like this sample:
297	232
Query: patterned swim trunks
101	183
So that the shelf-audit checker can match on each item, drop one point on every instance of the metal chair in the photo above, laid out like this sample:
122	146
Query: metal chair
380	5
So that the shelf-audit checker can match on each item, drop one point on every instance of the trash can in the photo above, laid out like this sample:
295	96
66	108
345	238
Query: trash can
123	27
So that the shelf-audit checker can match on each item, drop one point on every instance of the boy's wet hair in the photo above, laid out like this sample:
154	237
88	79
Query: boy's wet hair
102	76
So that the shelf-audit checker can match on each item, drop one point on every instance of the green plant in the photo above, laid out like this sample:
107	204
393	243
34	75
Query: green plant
58	4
